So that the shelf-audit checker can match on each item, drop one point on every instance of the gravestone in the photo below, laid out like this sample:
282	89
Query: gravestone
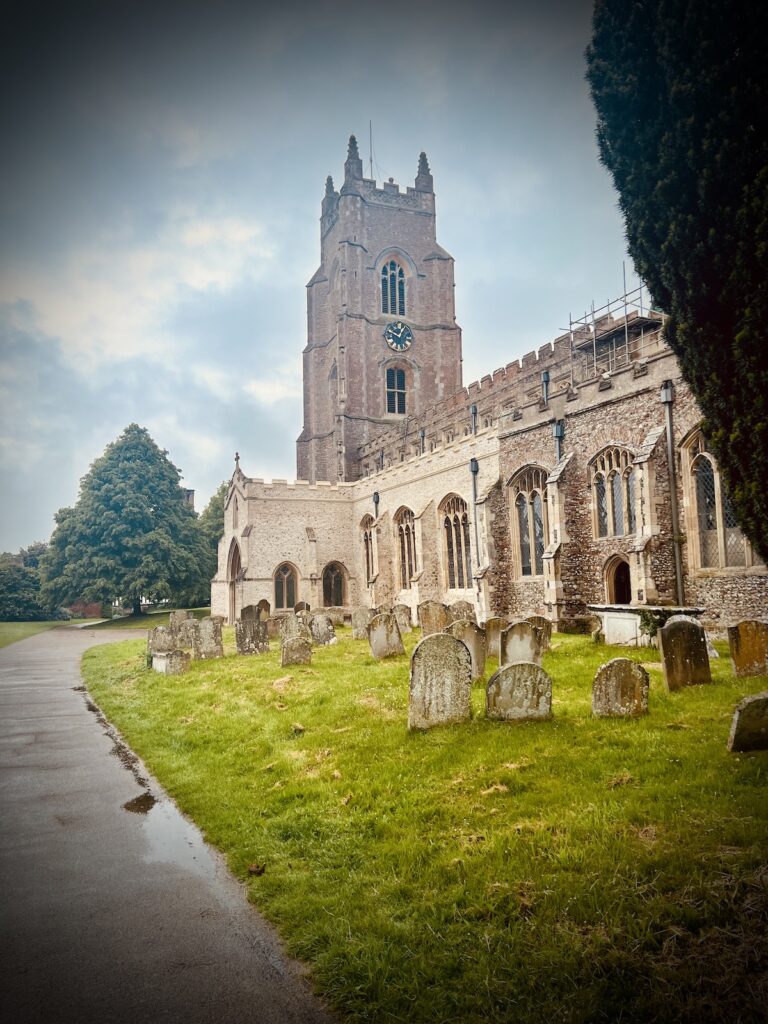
521	642
493	628
474	637
178	618
403	615
433	617
251	636
335	614
461	610
161	640
221	619
188	634
274	624
250	613
384	636
441	682
749	728
293	626
321	628
210	644
301	606
689	618
749	647
296	650
545	625
171	663
620	690
360	619
683	649
519	691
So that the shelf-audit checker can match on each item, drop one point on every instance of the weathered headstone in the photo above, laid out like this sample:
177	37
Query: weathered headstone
474	637
295	650
433	617
689	618
749	728
441	682
384	636
221	619
335	614
493	628
521	642
178	618
544	624
322	630
249	613
293	626
461	610
620	689
519	691
360	619
188	635
301	606
251	636
210	645
160	640
403	615
749	647
683	649
274	624
171	663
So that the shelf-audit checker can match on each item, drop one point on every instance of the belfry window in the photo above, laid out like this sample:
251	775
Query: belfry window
530	520
396	390
285	586
406	542
393	289
458	557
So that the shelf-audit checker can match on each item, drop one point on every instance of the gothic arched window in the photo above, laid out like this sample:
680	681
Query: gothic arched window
366	526
531	528
285	586
458	556
393	289
396	390
406	541
333	585
614	481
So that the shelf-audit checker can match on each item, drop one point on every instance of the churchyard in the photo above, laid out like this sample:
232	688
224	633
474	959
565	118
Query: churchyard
550	865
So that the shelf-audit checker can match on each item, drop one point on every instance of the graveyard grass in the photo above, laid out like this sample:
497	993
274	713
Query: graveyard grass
571	870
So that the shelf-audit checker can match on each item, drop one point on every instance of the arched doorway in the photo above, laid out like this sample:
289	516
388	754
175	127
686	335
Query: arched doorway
234	572
333	585
618	582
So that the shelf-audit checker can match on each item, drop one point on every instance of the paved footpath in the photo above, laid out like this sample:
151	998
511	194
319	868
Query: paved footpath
111	915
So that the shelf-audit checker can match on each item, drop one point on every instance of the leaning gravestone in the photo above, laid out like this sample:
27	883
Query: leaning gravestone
620	690
441	682
684	658
749	728
519	691
210	645
384	636
544	625
360	619
433	617
461	610
521	642
474	637
403	615
321	628
749	647
171	663
493	628
250	613
296	650
251	636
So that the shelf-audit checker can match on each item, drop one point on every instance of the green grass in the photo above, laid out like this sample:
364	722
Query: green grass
10	632
573	870
147	621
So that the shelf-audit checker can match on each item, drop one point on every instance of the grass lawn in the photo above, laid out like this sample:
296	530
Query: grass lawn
147	621
10	632
573	870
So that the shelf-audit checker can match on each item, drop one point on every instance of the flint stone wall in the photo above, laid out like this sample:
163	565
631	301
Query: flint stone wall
620	690
474	637
519	691
441	682
684	658
749	728
384	636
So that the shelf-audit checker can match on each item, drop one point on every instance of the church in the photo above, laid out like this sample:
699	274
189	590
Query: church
572	482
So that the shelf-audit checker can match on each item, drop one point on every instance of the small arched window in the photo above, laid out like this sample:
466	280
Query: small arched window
614	503
333	585
285	586
531	527
396	390
458	556
366	528
406	541
393	289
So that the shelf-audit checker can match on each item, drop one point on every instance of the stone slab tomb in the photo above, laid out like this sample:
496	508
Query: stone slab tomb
433	617
251	636
749	728
474	637
403	615
461	610
544	625
322	630
384	636
493	628
521	642
684	658
360	619
620	690
518	692
171	663
441	682
749	647
296	650
210	644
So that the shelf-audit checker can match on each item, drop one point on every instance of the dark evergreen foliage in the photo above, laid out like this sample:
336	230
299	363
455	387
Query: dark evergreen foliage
20	599
681	94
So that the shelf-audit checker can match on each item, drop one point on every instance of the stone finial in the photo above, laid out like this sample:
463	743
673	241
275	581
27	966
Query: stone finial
237	462
423	163
353	168
329	186
352	153
424	180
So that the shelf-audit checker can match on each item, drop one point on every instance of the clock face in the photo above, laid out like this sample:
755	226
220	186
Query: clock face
399	336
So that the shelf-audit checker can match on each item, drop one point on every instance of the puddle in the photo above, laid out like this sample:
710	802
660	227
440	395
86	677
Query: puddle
171	839
141	804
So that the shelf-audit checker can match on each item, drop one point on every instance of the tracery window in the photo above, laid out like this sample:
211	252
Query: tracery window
406	541
395	390
614	486
530	520
366	527
333	585
458	556
285	586
393	289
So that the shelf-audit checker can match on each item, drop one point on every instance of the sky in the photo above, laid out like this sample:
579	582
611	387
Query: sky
160	196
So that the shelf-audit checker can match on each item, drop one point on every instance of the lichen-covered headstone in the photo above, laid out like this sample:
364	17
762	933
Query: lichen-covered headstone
474	637
493	628
749	647
251	636
433	617
335	614
749	728
403	615
178	618
620	690
293	626
521	642
295	650
322	630
301	606
460	610
188	635
211	645
544	624
171	663
250	613
360	619
519	691
684	658
384	636
274	624
441	682
160	640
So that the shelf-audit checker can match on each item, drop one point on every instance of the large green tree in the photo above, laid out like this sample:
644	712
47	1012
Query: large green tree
212	528
131	535
681	94
20	599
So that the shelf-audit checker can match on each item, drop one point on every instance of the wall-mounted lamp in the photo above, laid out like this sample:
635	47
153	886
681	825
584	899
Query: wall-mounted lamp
474	467
558	432
667	393
376	500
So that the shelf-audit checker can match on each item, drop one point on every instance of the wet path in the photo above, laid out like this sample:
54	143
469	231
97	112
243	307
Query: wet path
111	914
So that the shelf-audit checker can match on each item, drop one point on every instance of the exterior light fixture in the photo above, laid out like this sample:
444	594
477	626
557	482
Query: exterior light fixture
473	414
376	500
558	432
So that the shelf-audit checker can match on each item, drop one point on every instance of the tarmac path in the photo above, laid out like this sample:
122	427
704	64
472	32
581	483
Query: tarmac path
109	914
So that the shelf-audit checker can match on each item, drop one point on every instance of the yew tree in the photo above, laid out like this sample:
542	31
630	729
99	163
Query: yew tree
681	95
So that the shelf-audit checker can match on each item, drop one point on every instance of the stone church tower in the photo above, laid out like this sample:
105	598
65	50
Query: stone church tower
383	343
